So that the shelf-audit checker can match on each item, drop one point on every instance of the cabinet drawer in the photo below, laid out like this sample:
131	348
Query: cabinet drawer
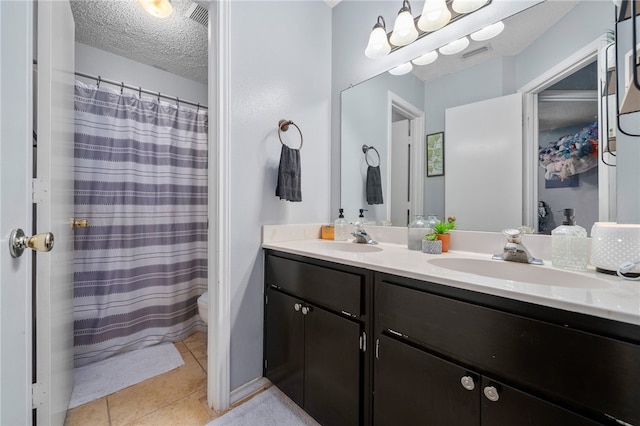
597	374
337	290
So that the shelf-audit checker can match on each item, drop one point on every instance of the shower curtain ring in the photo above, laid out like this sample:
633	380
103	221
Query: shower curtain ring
98	83
158	97
140	92
178	102
198	110
121	87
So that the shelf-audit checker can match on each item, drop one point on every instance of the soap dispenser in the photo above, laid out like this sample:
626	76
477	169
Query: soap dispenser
359	224
342	229
569	244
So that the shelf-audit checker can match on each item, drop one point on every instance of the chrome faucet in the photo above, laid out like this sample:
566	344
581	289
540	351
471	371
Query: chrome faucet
514	250
362	237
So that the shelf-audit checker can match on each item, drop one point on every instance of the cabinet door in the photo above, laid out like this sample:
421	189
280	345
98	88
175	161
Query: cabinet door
503	405
333	368
284	344
412	387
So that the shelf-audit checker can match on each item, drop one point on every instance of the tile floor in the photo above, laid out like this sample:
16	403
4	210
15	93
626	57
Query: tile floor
177	397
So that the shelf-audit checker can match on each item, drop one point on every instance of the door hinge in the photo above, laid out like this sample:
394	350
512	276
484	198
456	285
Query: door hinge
40	189
363	342
377	348
38	395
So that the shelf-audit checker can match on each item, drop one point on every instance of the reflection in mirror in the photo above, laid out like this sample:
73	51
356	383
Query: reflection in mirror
533	42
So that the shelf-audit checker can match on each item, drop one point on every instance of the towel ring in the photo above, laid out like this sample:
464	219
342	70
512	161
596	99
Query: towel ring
366	149
283	125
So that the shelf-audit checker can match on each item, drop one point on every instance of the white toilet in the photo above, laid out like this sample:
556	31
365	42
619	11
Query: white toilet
203	307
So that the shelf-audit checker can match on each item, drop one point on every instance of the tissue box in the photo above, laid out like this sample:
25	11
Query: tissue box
613	244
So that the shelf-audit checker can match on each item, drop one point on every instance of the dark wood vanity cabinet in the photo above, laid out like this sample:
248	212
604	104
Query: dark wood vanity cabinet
315	338
439	355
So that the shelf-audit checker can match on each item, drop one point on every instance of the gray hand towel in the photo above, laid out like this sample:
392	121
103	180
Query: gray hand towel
288	187
374	185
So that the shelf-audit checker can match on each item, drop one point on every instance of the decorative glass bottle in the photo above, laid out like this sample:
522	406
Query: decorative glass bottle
416	232
569	244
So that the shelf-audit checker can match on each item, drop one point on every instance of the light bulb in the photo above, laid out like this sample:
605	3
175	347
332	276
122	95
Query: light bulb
157	8
401	69
404	29
426	59
435	15
467	6
455	46
378	45
488	32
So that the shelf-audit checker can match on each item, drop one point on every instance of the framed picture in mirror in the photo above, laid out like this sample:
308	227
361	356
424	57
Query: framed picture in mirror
435	154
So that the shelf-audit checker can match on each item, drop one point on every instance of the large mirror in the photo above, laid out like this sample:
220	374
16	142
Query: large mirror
394	114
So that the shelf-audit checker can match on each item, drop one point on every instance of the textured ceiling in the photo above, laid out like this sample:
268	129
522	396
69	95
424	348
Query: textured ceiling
176	44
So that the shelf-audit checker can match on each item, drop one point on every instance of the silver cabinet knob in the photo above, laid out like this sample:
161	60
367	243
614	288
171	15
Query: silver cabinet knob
39	242
491	393
305	310
297	307
468	383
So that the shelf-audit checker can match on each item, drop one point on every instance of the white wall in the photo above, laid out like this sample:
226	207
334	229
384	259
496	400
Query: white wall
280	68
113	67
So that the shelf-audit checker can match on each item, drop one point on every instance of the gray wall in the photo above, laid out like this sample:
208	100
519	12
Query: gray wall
280	68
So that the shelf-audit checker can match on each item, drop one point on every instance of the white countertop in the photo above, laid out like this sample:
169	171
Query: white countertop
620	301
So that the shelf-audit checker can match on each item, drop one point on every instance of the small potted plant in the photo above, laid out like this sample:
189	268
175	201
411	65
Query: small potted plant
431	244
442	229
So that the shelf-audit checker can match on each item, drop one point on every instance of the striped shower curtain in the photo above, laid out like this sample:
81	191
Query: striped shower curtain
141	182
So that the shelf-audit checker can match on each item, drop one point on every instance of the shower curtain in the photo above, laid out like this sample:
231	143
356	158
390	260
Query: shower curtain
141	182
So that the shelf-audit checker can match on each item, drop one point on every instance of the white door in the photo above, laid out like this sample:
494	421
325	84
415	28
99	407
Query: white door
54	198
15	209
53	194
483	163
400	164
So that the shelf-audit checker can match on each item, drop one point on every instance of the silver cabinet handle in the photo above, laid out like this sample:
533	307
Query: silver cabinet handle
305	310
18	242
468	383
491	393
297	307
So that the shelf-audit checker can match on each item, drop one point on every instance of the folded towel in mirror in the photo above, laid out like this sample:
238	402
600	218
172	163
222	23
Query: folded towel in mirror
374	185
289	180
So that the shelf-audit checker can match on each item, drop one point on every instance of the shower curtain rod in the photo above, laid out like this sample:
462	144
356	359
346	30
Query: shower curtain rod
140	90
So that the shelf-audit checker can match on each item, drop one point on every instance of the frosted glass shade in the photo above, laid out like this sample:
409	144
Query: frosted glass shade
401	69
404	29
157	8
435	15
378	43
426	59
488	32
455	46
467	6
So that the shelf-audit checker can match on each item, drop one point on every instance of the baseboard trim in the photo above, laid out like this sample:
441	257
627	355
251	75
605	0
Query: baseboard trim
248	389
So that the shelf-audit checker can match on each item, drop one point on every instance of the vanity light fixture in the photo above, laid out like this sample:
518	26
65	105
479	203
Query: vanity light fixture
467	6
404	29
488	32
157	8
401	69
378	43
435	15
426	59
455	46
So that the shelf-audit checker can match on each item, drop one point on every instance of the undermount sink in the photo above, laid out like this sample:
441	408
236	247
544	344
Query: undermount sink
521	272
346	246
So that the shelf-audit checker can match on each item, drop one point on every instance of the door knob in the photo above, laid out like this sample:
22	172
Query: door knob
18	242
491	393
305	310
297	307
79	223
468	383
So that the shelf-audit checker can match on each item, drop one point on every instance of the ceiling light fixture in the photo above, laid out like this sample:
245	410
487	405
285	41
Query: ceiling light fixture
488	32
435	15
426	59
455	46
378	45
157	8
404	29
401	69
467	6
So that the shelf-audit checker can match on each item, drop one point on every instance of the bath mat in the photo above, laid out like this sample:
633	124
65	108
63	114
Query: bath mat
93	381
269	408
